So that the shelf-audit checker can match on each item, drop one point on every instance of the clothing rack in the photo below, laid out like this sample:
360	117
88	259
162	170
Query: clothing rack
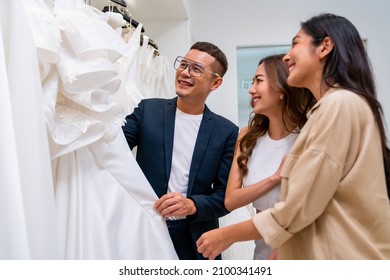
133	22
125	15
151	43
120	2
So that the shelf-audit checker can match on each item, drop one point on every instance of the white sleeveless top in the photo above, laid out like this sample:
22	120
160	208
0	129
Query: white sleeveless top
265	160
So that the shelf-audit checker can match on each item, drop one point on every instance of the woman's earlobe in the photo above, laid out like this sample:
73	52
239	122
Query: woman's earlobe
327	46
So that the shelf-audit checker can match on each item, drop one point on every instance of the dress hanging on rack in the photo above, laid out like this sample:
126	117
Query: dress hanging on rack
104	204
124	13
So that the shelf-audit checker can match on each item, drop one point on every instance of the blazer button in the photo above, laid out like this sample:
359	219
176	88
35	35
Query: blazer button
165	186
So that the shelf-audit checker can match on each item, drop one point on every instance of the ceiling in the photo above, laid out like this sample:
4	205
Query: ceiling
149	10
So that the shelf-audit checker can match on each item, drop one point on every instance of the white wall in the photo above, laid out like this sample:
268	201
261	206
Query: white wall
242	23
172	38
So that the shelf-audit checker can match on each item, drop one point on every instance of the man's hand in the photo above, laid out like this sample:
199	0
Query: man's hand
175	204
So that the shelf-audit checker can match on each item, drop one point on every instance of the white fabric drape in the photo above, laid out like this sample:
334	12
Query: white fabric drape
75	191
27	211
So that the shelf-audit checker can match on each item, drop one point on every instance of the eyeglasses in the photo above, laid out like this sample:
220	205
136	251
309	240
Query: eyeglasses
195	69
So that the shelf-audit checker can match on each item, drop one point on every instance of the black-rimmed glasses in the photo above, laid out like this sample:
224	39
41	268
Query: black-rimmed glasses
195	69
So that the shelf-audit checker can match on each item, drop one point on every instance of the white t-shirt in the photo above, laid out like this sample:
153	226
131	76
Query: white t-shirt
186	132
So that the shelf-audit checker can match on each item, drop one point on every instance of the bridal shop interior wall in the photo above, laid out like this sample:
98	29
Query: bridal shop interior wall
233	24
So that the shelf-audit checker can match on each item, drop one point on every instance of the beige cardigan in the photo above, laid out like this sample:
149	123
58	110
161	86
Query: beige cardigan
334	203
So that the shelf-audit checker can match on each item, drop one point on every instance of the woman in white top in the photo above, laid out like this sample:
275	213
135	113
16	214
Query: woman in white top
279	113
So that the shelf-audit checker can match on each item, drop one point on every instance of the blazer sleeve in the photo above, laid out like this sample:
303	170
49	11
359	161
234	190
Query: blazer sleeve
130	129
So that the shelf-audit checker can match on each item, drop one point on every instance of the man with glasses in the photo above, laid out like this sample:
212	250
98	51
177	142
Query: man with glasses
185	150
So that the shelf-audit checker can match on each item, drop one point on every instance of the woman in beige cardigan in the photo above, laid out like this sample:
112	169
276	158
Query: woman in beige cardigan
334	199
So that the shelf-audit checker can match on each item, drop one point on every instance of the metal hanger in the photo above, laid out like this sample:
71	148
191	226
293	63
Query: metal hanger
120	2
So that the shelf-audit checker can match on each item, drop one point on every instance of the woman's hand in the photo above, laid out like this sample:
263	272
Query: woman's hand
276	176
273	255
213	243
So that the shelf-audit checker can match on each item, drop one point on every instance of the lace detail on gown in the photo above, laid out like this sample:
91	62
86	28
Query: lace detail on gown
89	34
45	29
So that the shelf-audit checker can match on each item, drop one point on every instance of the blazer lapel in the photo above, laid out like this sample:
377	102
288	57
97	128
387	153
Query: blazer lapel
205	129
169	130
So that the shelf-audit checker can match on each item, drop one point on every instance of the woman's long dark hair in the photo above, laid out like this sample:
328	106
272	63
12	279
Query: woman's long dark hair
296	103
348	65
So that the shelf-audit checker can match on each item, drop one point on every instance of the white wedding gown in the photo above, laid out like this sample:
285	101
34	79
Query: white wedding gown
27	210
104	204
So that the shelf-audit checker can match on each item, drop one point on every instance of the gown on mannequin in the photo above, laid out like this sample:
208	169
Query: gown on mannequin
103	201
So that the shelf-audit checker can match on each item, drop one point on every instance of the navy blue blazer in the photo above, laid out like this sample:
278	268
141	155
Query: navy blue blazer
151	128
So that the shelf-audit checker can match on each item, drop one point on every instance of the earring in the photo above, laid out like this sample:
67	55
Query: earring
281	97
